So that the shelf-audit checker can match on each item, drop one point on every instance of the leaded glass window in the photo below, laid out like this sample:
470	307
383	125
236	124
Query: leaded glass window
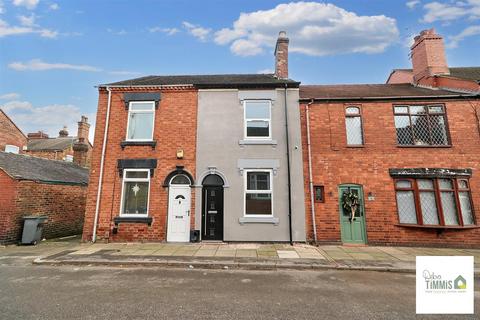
423	125
434	202
353	126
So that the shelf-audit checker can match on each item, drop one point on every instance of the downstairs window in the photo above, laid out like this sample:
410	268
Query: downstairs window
434	202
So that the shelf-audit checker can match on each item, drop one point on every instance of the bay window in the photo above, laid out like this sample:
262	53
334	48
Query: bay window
443	202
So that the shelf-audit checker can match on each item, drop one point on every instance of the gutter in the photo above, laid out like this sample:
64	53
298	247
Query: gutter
102	160
310	175
389	98
288	171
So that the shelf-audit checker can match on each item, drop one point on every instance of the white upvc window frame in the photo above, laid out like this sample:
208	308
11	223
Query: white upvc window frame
246	191
13	149
124	181
245	120
68	158
130	111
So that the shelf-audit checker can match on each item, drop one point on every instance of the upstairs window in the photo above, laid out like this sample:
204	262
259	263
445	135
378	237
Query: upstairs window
141	115
258	193
353	125
434	202
136	187
12	149
423	125
257	119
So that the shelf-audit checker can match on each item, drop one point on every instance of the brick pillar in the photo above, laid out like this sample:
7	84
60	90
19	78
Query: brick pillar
428	55
80	147
281	56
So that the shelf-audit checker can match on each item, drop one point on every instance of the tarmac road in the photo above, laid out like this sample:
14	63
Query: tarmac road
67	292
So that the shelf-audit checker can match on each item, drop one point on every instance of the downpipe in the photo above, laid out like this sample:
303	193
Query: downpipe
310	174
102	160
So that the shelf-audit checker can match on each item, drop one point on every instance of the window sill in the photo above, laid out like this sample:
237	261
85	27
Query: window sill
356	146
120	219
125	143
426	146
436	227
271	220
264	142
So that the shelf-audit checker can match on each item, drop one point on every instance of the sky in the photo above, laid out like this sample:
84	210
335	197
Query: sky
53	53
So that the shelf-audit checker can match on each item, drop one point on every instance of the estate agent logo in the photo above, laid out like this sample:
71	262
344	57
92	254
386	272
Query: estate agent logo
445	285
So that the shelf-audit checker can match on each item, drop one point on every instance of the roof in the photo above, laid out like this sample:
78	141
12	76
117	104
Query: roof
210	81
23	167
50	144
14	124
467	73
370	91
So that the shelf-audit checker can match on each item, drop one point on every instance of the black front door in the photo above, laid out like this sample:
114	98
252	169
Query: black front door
212	213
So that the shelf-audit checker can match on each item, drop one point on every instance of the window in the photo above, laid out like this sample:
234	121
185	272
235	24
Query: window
141	115
258	193
353	125
12	149
68	158
319	193
434	202
136	187
257	119
423	125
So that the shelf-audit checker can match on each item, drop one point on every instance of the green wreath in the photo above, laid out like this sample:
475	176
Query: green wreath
350	203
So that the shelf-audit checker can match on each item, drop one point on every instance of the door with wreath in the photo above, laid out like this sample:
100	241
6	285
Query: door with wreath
352	214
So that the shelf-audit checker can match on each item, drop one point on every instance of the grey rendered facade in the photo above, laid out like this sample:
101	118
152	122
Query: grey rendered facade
223	150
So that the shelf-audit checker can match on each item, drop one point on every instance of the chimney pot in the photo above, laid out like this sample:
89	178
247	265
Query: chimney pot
63	133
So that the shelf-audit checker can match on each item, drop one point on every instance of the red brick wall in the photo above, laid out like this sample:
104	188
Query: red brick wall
52	155
9	228
334	163
10	134
64	205
175	128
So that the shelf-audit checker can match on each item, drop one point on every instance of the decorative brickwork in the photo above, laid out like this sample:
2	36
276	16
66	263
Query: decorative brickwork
174	129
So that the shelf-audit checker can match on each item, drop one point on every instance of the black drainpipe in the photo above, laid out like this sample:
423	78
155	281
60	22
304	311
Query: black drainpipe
288	171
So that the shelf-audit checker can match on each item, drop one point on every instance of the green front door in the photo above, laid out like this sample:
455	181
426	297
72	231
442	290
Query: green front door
353	230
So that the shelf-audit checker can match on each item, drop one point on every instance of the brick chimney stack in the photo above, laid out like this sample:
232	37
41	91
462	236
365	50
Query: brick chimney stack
281	56
80	148
428	55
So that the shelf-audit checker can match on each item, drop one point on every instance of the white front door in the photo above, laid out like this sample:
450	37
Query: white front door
178	213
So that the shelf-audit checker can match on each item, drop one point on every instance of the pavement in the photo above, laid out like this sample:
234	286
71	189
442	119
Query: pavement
95	289
251	256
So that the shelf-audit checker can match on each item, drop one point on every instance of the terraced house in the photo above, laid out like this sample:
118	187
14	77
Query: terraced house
206	157
259	157
395	163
